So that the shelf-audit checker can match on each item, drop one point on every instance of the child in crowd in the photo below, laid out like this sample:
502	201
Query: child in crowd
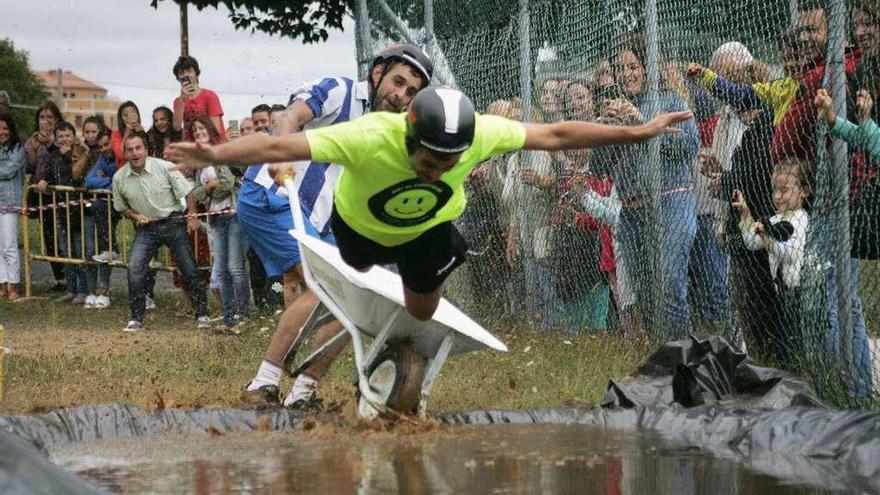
783	236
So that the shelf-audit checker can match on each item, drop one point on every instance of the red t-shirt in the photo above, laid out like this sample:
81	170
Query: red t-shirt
205	103
116	141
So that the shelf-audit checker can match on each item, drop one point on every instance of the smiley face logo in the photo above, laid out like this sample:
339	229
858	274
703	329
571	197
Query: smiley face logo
410	202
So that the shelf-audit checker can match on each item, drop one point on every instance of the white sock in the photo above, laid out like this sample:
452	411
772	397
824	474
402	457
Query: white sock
268	374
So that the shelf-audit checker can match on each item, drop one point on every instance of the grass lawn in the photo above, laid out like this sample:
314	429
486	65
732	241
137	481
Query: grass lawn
63	355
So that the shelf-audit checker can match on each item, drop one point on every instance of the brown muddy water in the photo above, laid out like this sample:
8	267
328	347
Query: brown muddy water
454	460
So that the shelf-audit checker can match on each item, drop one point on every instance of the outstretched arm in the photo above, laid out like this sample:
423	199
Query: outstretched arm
243	151
577	134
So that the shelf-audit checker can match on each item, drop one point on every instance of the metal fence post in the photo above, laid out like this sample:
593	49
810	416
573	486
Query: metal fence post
363	42
835	66
526	224
652	69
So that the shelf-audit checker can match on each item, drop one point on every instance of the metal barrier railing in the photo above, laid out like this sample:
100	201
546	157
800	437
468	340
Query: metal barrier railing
72	204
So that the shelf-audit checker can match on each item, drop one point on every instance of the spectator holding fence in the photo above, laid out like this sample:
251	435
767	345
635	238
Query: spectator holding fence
149	194
57	171
37	152
12	165
783	236
194	100
216	189
101	223
678	206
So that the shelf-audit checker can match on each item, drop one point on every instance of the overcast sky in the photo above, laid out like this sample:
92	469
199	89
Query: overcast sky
129	48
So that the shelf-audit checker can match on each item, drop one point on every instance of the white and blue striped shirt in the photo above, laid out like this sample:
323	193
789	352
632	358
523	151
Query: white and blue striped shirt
332	100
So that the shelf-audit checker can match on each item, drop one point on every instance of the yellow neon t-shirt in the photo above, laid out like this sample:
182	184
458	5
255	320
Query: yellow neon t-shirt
379	195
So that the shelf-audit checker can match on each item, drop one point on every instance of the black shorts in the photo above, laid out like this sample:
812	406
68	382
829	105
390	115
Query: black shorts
423	263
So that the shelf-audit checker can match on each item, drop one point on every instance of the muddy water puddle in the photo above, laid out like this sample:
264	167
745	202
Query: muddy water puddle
460	460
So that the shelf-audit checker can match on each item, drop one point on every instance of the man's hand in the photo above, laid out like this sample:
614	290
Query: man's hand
825	106
714	186
211	185
41	185
739	202
695	72
279	172
721	239
190	156
663	123
510	249
481	172
709	164
864	105
140	219
621	109
188	90
192	224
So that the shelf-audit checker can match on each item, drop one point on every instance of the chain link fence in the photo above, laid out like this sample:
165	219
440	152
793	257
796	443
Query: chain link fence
655	240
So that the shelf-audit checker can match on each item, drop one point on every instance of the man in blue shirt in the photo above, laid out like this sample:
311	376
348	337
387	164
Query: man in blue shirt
396	75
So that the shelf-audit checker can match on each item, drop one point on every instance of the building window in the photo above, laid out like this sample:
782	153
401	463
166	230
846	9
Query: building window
73	95
64	95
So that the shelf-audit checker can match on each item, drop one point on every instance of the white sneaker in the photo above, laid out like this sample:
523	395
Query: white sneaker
91	301
106	257
102	302
150	303
133	326
203	323
302	394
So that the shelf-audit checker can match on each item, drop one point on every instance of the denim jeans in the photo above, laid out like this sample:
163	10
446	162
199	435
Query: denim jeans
230	254
75	274
98	274
678	225
104	225
862	380
708	272
147	240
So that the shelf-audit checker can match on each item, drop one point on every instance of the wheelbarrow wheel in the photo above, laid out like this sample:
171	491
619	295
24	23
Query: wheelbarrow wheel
396	377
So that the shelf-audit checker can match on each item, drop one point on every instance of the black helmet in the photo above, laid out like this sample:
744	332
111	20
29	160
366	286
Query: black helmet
412	55
441	119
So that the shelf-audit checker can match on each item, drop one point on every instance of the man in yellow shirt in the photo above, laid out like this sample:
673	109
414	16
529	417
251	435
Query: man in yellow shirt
403	177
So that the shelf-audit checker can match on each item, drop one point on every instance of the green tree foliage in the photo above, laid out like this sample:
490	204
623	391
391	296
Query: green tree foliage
310	21
23	87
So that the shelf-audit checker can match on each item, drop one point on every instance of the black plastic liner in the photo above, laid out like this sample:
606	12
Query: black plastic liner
697	392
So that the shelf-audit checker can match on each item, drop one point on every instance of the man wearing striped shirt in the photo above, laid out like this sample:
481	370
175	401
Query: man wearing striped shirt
396	75
148	193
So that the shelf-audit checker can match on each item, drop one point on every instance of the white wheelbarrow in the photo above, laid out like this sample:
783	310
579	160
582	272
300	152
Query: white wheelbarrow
398	368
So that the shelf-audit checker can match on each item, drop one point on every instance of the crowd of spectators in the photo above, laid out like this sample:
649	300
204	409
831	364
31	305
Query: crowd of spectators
577	238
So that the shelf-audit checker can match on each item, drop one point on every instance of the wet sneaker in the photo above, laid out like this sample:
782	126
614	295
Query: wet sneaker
150	303
203	323
261	398
90	302
102	302
133	326
302	397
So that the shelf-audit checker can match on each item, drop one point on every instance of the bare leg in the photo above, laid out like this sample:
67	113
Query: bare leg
293	283
422	306
293	318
